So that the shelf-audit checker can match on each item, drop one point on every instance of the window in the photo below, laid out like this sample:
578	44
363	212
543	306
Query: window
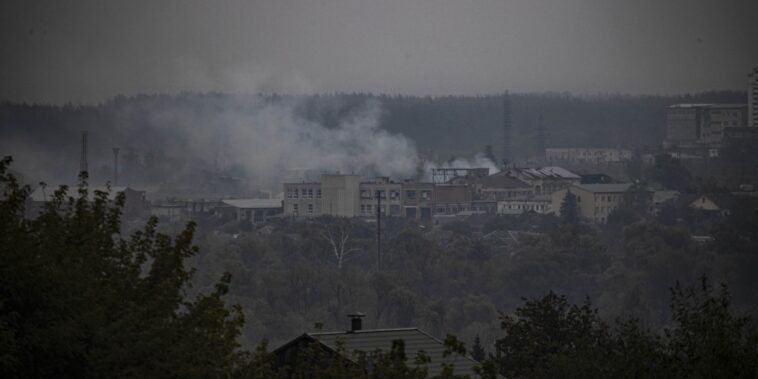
289	193
295	194
365	194
394	194
294	209
318	193
411	195
310	193
426	195
310	209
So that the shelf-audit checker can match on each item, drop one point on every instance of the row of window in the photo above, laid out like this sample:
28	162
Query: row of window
526	207
370	194
608	198
424	195
296	209
305	193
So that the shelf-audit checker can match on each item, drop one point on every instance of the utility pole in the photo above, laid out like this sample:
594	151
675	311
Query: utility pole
83	157
115	166
378	230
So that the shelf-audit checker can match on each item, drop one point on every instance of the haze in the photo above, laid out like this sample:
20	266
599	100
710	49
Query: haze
88	51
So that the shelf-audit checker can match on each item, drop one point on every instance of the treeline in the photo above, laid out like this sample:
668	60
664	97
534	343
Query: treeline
152	140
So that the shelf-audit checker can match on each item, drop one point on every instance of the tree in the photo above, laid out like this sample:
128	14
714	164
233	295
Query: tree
477	351
79	300
550	338
336	232
570	209
709	341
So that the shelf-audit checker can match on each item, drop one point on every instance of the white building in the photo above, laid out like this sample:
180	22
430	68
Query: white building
587	155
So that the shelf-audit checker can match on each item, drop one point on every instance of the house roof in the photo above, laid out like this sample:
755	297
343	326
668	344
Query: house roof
605	187
722	200
415	340
253	203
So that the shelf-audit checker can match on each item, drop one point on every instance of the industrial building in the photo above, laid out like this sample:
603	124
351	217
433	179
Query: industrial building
595	202
514	191
587	155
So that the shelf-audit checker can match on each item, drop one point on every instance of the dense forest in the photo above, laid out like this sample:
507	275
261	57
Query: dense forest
168	139
80	296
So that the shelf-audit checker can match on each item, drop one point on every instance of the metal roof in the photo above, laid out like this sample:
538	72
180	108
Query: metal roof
415	340
606	187
549	172
253	203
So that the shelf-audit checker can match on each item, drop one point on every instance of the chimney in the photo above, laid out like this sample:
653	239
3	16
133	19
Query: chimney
355	321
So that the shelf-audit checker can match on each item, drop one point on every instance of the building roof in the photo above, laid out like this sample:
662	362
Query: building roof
605	187
415	340
722	200
43	194
253	203
708	105
549	172
502	181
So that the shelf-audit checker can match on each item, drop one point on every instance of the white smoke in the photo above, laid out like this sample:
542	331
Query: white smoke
479	161
272	144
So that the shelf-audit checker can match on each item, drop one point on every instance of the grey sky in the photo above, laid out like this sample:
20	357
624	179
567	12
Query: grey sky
84	51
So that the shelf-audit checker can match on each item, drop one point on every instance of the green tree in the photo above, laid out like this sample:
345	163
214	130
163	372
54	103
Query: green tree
708	340
79	300
569	208
550	338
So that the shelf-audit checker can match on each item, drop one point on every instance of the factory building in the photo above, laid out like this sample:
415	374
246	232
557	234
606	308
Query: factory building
514	191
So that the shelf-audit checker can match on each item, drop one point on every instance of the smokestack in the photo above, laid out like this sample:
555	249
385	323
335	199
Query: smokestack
355	321
507	130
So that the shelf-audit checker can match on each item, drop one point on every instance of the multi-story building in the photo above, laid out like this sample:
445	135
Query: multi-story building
302	199
512	192
752	96
450	199
587	155
383	194
702	123
418	200
594	201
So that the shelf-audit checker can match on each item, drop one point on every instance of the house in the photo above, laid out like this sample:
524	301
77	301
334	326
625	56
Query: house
368	341
595	201
254	210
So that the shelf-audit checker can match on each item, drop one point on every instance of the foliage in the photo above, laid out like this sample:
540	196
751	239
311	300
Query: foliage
79	300
548	337
570	209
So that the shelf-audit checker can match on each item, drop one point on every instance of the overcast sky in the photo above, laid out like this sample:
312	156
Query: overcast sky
88	51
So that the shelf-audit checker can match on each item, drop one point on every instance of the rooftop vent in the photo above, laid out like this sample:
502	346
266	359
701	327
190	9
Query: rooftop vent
355	321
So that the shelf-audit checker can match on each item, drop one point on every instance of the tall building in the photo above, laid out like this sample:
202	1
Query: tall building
752	95
703	123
